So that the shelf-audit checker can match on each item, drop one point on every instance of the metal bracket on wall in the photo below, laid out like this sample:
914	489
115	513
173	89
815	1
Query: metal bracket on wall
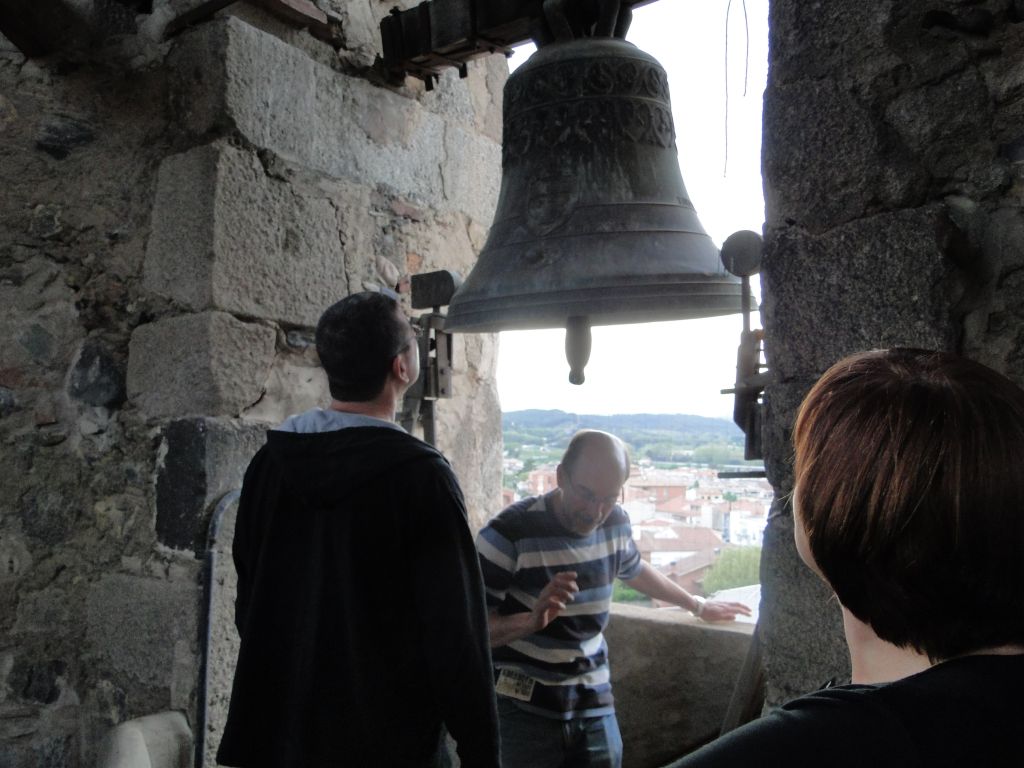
432	290
741	255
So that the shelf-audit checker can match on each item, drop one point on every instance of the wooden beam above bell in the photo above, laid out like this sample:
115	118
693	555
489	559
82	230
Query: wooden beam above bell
39	27
441	34
298	13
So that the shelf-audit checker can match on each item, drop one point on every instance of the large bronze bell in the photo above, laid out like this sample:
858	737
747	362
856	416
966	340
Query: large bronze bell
593	220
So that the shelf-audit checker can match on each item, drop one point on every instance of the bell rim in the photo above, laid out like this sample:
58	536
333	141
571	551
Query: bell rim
708	296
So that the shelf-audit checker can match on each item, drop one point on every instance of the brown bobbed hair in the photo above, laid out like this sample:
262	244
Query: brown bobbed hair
910	487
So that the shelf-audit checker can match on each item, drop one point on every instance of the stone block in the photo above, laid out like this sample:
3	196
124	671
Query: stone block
465	187
204	364
878	282
374	136
231	76
200	461
826	138
133	625
813	42
277	249
473	102
296	383
800	620
947	128
226	236
179	253
781	402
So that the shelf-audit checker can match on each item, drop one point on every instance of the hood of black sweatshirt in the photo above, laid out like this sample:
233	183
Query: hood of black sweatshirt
329	466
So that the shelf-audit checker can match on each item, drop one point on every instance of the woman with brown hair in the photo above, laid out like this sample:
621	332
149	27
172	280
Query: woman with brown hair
909	503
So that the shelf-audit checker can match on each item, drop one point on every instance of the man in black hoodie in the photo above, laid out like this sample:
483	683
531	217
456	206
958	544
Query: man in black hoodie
360	604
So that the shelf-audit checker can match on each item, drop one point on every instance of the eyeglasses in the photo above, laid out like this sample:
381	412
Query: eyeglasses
590	498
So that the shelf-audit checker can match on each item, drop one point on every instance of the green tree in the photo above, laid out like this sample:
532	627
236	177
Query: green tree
662	451
735	567
715	454
622	593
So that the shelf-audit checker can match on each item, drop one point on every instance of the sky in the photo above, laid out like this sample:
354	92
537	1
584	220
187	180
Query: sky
674	367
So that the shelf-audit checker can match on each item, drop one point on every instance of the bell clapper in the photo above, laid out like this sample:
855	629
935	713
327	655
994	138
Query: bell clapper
577	347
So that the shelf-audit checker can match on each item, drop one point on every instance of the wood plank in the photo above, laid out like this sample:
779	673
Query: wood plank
39	27
438	34
195	15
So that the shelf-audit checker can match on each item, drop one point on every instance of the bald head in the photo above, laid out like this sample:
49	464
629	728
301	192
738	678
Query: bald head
595	446
590	478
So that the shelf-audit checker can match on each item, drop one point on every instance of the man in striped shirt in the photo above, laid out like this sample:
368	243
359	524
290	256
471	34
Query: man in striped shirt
549	563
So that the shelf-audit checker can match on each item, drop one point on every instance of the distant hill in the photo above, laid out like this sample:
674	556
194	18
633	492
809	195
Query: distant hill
655	435
677	423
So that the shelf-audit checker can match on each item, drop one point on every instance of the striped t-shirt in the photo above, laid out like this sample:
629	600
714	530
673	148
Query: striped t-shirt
566	663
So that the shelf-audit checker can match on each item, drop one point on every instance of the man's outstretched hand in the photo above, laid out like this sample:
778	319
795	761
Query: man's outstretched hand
720	610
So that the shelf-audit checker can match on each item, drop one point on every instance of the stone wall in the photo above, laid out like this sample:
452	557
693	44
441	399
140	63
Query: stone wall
893	166
173	218
174	215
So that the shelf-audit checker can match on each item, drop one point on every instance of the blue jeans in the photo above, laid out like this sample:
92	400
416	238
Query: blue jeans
534	741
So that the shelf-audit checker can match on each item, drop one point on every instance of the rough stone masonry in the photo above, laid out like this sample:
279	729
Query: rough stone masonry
173	213
173	217
893	166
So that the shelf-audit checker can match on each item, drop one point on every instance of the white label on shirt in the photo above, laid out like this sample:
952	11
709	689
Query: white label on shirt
515	685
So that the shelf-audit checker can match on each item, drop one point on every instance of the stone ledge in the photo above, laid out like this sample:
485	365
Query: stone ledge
673	676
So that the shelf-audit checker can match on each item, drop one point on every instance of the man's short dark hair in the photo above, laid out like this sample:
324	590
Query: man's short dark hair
910	489
357	338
